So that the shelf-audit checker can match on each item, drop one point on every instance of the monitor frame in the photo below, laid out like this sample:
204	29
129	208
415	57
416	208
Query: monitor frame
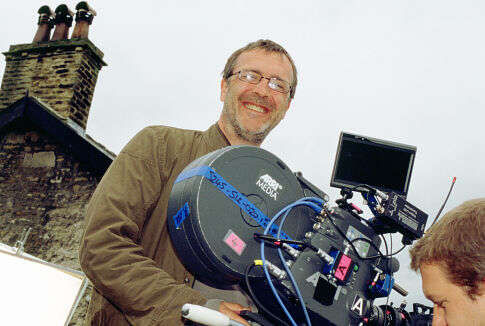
389	145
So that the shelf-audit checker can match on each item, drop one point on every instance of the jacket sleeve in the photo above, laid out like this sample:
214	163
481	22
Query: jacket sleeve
110	253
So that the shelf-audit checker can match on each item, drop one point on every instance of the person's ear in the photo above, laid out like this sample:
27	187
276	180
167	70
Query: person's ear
288	105
224	85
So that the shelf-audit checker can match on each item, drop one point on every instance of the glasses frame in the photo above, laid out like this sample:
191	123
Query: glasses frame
256	82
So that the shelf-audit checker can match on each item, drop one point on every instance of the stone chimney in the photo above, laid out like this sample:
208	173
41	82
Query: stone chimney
61	72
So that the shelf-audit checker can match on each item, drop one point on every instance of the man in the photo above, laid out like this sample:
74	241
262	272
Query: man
126	250
451	259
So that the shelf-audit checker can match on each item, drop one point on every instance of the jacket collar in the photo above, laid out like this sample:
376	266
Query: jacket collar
215	138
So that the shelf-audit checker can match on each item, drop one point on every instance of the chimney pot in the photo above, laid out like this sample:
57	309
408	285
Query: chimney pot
63	21
84	18
45	24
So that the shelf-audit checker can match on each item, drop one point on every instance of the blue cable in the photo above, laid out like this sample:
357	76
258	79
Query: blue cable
293	281
314	199
287	313
307	201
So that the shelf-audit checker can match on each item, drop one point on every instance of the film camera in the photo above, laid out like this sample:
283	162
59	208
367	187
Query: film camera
239	215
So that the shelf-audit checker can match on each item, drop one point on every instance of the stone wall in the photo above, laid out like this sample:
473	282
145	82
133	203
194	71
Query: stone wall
42	186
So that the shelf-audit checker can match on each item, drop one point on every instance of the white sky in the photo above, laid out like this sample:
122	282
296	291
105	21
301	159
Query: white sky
406	71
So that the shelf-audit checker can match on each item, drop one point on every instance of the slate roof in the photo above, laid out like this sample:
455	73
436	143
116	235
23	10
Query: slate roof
64	130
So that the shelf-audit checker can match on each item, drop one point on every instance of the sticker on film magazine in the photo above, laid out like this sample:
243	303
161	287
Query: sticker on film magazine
234	242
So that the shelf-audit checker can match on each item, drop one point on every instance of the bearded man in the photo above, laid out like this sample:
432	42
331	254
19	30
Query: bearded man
126	250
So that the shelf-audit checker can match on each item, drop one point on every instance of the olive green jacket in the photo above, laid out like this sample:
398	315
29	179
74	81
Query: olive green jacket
126	250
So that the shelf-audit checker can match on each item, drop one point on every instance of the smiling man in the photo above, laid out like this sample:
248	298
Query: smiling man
451	259
126	250
257	89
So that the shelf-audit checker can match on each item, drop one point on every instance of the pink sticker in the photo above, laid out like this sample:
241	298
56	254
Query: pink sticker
343	267
235	242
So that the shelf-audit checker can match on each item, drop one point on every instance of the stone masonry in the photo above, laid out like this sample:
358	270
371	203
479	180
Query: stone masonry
61	73
43	187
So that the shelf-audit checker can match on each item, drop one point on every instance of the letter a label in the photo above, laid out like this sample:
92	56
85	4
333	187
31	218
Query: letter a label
313	279
358	306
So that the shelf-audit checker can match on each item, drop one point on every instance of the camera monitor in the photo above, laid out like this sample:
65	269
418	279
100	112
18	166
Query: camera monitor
378	163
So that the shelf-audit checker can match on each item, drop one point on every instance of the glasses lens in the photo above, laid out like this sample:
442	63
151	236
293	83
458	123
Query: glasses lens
249	77
279	85
273	83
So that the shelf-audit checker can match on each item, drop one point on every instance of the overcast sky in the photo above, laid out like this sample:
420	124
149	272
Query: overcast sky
406	71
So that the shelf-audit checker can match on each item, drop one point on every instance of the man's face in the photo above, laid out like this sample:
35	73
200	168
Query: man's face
252	111
452	305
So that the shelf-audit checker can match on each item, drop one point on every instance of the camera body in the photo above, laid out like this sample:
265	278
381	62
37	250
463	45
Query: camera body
338	292
221	203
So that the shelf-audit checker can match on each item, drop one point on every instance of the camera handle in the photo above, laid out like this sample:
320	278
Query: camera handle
206	316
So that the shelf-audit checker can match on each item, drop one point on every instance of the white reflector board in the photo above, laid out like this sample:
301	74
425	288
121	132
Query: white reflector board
34	292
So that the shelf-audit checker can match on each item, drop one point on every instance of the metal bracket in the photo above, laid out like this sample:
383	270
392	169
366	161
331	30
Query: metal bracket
20	243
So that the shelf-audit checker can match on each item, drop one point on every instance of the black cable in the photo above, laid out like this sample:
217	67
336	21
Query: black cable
255	299
385	243
390	237
347	239
364	239
443	206
272	240
372	244
350	241
344	236
395	253
388	255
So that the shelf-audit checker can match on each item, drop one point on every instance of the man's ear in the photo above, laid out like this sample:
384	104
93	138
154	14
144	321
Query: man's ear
288	105
224	85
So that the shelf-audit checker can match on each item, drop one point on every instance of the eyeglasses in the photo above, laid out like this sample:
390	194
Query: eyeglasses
254	78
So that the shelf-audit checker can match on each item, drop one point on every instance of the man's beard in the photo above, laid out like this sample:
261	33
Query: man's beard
253	137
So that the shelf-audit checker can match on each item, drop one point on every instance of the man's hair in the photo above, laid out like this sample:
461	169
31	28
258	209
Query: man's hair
268	46
457	244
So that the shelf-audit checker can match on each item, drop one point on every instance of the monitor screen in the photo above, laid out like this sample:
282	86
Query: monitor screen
381	164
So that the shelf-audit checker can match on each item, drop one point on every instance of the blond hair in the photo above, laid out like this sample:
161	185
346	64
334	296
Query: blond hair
456	243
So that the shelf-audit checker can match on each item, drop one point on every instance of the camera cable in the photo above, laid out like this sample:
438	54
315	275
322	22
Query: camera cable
258	303
312	203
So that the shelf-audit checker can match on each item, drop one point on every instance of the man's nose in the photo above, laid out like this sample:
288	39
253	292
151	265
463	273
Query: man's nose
262	88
